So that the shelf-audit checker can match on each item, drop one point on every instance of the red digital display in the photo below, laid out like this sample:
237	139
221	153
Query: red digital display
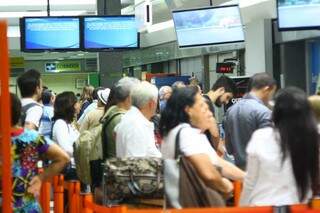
226	67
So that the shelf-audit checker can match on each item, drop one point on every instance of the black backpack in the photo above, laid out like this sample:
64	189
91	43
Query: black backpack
24	111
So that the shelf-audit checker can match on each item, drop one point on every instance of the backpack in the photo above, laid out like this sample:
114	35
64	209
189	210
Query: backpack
24	110
88	147
82	152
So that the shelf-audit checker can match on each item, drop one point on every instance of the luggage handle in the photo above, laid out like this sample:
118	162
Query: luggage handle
135	189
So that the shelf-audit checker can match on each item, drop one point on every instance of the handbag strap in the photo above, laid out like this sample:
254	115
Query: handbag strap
177	151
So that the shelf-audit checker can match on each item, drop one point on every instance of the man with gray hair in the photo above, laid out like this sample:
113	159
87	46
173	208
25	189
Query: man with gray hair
135	132
164	95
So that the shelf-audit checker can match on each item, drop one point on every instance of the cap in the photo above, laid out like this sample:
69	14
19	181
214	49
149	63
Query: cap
103	95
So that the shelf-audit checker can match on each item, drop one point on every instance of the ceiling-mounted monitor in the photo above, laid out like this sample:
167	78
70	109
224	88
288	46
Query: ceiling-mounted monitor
110	32
208	26
50	34
298	14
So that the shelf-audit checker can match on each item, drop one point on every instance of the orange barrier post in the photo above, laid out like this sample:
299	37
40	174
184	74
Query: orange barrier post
5	121
207	210
45	197
237	192
85	197
315	203
58	193
73	196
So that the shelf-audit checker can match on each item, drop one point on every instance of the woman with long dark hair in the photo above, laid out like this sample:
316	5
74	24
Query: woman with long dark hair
283	161
187	112
63	132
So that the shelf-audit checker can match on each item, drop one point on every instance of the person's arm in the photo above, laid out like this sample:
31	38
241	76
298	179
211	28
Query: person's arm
209	174
230	171
249	180
59	160
214	131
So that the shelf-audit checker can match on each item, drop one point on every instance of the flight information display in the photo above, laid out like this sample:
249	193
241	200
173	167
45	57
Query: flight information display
208	26
298	14
113	32
50	33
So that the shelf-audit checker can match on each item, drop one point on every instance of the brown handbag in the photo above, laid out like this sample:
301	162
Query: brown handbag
193	193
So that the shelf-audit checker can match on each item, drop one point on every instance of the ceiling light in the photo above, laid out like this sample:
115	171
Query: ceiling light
41	13
44	2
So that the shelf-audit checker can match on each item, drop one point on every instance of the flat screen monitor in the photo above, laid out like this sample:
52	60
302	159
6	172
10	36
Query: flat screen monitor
110	32
298	14
50	33
208	26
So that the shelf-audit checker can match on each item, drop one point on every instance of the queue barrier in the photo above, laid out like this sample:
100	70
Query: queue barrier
83	202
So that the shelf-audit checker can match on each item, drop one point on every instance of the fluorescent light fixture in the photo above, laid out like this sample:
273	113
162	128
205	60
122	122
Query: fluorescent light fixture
44	2
21	14
41	13
160	26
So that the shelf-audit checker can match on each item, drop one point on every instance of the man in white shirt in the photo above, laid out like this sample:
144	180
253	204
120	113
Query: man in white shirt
135	132
30	86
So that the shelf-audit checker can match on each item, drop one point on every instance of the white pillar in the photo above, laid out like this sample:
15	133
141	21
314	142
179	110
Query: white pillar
258	43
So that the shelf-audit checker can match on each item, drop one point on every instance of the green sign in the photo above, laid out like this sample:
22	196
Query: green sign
63	66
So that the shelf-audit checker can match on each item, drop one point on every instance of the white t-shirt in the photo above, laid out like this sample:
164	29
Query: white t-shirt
268	181
192	142
135	136
65	135
33	114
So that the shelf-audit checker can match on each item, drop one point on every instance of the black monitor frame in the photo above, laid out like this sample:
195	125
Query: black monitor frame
206	8
107	49
22	35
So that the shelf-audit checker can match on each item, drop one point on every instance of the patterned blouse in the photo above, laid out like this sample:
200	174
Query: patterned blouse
27	147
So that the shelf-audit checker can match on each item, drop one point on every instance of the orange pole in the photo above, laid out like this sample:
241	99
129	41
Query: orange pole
58	193
5	121
237	192
85	197
315	203
73	196
45	196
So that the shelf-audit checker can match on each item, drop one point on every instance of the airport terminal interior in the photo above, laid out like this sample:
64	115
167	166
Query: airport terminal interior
146	105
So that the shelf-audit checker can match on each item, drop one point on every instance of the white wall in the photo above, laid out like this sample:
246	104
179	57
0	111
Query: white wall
56	82
63	82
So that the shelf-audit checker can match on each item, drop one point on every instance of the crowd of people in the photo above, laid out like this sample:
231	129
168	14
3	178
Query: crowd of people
273	135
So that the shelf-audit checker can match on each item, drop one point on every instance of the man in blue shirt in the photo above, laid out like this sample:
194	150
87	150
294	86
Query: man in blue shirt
247	115
48	98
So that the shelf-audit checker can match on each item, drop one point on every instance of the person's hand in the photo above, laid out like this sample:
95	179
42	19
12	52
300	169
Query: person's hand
228	193
214	95
35	186
220	91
